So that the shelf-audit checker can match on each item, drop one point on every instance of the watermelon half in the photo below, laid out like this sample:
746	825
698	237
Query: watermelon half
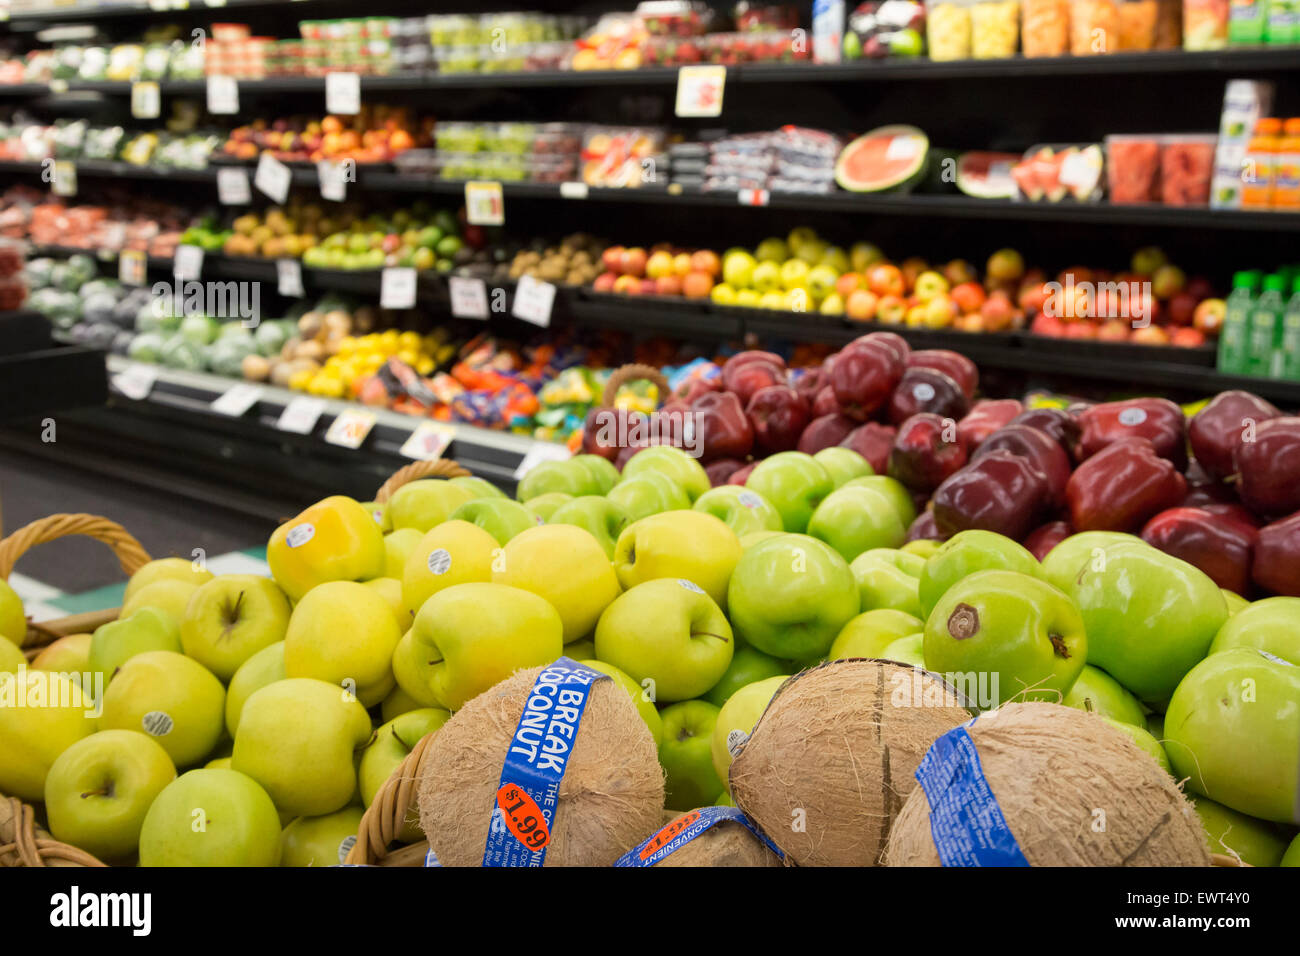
986	175
888	159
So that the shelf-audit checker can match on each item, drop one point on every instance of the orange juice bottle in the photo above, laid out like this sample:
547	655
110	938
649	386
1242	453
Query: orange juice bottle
1286	169
1257	167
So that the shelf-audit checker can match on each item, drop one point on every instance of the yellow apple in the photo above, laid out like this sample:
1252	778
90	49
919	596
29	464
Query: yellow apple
211	818
41	715
413	665
170	595
398	701
230	619
390	589
166	569
645	705
398	546
70	655
565	565
736	721
455	552
678	544
320	841
426	503
173	699
13	619
264	667
343	633
335	539
12	659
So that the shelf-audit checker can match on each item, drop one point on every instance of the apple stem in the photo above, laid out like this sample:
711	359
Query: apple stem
1058	645
721	637
104	791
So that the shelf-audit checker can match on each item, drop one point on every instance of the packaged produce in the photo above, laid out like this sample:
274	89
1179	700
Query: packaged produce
1137	24
1133	168
1045	27
1169	25
995	28
1186	167
948	29
880	28
617	156
1094	27
891	158
682	18
1055	172
1205	24
986	175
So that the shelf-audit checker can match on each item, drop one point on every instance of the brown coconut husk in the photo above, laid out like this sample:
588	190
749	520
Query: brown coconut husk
834	753
1054	771
724	844
611	797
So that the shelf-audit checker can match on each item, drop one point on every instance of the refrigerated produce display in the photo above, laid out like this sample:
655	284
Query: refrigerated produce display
881	416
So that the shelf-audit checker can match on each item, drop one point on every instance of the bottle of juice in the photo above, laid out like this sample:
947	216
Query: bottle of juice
1283	26
1286	168
1291	335
1236	321
1247	20
1257	166
1264	336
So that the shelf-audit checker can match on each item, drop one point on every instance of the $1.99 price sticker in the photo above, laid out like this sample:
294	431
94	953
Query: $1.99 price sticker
523	817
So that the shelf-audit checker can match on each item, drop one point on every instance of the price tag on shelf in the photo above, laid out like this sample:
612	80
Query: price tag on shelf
539	452
136	381
350	428
533	301
58	86
273	178
468	298
187	263
132	266
700	88
300	415
343	93
333	180
397	288
146	100
484	204
232	186
573	190
428	441
63	182
223	95
289	275
237	399
753	197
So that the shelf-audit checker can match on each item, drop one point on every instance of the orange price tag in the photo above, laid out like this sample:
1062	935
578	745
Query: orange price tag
669	833
523	817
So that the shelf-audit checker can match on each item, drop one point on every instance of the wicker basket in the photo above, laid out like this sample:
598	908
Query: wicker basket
631	373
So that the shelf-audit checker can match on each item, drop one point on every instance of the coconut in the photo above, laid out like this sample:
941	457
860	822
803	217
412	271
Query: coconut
1074	790
830	761
724	844
610	799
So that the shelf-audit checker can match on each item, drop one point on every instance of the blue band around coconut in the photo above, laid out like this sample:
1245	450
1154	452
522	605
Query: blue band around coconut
683	830
431	859
966	822
539	754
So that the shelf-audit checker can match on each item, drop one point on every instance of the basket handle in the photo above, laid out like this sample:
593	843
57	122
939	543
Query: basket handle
386	815
437	468
23	843
630	373
128	551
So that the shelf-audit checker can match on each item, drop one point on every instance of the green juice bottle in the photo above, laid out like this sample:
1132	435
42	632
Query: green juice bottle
1264	336
1291	335
1236	324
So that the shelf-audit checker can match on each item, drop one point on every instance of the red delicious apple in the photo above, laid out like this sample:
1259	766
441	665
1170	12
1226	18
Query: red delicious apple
1055	423
1047	536
1181	309
873	442
1158	420
1046	455
893	340
740	476
603	427
926	450
986	417
720	471
778	415
1218	428
1122	487
825	431
721	426
695	386
1269	467
924	389
863	376
746	372
1000	492
953	364
925	529
1276	566
825	402
1221	547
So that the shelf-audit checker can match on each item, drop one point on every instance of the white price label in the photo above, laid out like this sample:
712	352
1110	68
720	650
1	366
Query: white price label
333	180
428	441
223	95
58	86
468	298
700	89
131	267
232	186
540	451
272	178
753	197
64	179
136	382
343	93
300	415
573	190
187	263
350	428
397	288
533	301
289	275
238	399
484	204
146	100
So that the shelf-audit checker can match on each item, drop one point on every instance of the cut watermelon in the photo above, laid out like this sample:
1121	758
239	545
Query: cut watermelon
987	175
888	159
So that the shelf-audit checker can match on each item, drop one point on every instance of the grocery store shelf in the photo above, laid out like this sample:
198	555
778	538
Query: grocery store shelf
112	170
37	376
106	11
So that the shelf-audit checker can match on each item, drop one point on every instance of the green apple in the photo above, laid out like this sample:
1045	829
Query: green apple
892	489
1150	616
215	817
1234	601
336	539
42	714
748	665
12	659
855	519
1254	842
1064	562
906	650
965	553
736	721
843	464
220	763
398	702
1292	855
868	634
99	790
1155	724
741	509
678	544
747	541
1145	741
566	566
570	477
685	471
543	506
455	552
790	595
69	655
231	618
648	493
426	503
924	548
1272	625
297	738
170	697
602	470
169	595
686	753
413	667
264	667
1096	691
481	487
1014	630
499	517
13	619
476	635
645	704
582	650
1231	730
343	633
165	569
795	484
398	546
724	800
390	745
670	632
888	578
598	516
116	642
320	841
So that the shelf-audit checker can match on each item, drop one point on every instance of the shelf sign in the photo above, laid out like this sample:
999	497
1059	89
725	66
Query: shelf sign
136	381
223	95
753	197
533	301
63	182
58	86
289	276
237	400
428	441
468	298
187	263
146	100
132	266
484	205
232	186
333	179
272	178
343	93
300	415
397	288
350	428
573	190
540	451
699	90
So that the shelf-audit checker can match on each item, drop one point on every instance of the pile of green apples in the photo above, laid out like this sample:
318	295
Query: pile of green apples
249	720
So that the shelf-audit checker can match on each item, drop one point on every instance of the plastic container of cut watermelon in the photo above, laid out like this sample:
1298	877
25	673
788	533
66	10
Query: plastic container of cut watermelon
1061	172
1186	167
1133	168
